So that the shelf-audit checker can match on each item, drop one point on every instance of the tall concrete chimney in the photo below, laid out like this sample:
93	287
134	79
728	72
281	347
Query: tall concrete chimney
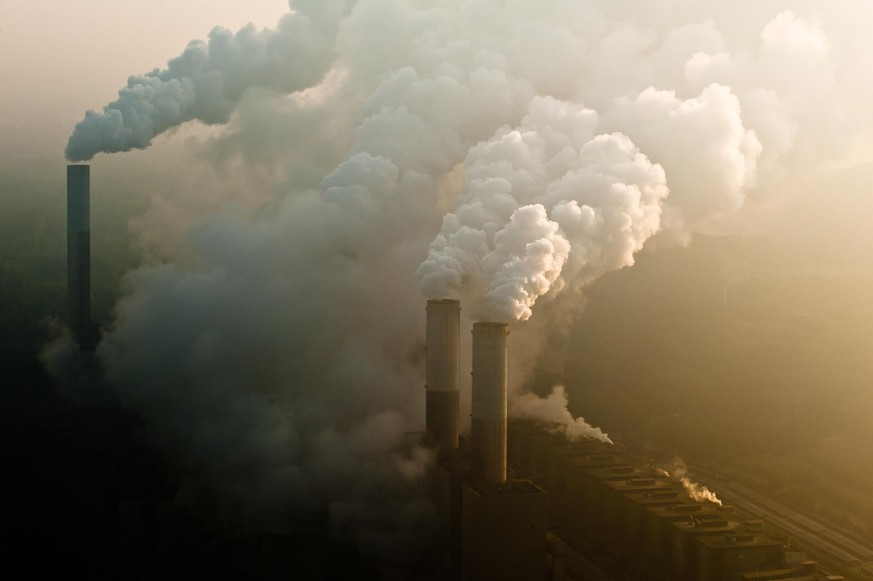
79	250
443	372
489	402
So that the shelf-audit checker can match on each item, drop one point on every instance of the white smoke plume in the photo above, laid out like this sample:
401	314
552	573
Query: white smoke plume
678	472
552	413
207	81
506	154
553	192
544	203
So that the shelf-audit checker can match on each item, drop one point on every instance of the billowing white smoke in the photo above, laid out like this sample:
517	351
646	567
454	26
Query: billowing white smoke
709	155
552	203
509	154
207	81
552	412
543	203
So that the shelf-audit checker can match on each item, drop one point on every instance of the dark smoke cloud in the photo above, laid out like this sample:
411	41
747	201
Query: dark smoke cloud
509	154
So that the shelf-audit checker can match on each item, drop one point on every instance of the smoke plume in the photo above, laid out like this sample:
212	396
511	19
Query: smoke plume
207	81
678	472
506	154
551	412
543	204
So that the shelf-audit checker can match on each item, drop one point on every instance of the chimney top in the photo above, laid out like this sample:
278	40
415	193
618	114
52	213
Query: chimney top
490	329
443	302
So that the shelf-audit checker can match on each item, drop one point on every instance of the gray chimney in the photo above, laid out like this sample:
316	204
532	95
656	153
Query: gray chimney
490	342
79	250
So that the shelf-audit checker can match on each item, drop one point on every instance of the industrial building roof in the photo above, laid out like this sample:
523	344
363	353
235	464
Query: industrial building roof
710	527
741	539
639	484
595	460
679	510
658	497
617	472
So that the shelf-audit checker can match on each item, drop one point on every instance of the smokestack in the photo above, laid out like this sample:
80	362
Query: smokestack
443	372
489	402
79	250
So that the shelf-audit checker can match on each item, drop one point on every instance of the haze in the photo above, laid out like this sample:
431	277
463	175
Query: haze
667	201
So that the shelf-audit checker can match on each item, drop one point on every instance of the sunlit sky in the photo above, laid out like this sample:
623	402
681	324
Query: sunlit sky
60	58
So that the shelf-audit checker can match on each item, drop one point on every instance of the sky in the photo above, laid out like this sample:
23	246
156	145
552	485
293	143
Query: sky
60	58
366	156
52	71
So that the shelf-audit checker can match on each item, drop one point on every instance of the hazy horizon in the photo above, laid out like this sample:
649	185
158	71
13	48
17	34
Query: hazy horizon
665	187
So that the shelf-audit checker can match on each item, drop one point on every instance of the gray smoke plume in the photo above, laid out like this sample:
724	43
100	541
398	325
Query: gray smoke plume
503	154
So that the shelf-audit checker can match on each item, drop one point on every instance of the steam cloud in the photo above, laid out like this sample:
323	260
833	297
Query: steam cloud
506	155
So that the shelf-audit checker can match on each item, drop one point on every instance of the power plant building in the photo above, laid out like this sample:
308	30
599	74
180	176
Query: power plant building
443	373
496	527
659	518
504	532
635	514
492	526
580	496
720	557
